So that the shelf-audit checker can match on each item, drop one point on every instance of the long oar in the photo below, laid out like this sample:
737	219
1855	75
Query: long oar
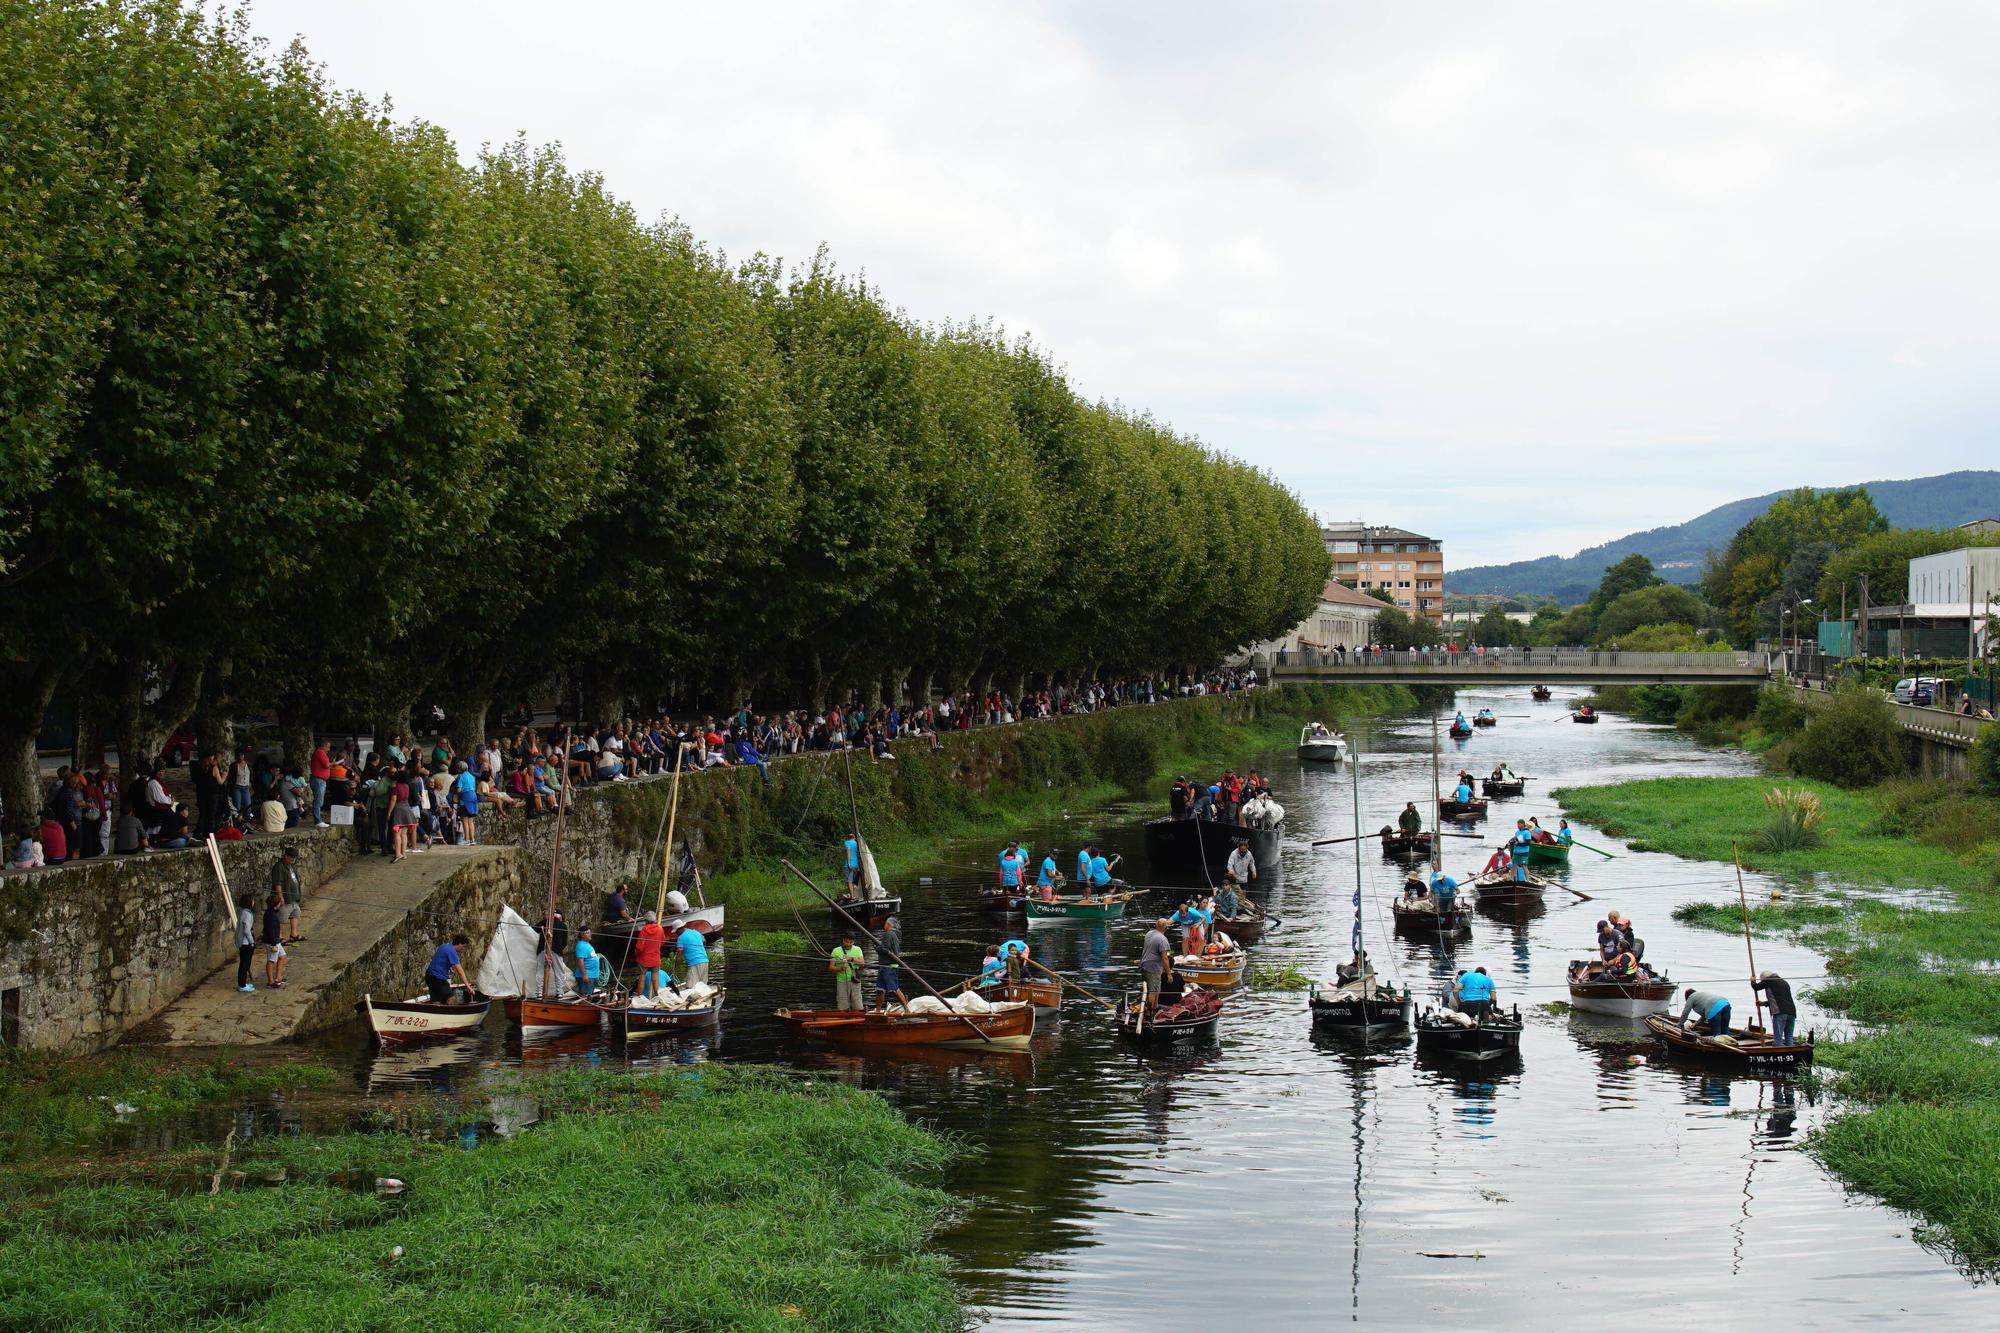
886	952
1330	842
1071	984
1609	856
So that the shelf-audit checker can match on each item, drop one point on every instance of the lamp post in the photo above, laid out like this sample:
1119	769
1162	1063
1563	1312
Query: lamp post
1784	644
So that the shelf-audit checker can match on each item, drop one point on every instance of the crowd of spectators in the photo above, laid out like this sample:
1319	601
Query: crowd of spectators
399	798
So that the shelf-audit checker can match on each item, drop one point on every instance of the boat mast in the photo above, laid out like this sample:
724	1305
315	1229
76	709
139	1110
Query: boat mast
1354	775
1743	901
555	873
1437	813
667	851
854	814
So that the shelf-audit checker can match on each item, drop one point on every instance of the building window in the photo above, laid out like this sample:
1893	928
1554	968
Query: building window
1403	584
1346	548
1404	566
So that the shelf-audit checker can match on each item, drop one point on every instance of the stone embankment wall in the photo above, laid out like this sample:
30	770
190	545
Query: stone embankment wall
91	949
97	948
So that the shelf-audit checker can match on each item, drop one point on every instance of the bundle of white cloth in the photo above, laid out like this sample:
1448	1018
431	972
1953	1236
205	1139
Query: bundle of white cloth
696	996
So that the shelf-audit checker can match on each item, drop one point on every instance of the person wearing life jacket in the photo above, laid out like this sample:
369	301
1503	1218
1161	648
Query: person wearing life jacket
1621	967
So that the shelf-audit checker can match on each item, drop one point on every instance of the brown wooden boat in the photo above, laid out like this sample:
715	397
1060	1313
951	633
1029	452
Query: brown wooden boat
1748	1051
1008	1026
641	1020
1422	912
1044	995
541	1016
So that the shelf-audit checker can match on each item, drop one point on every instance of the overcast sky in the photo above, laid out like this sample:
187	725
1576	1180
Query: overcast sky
1523	276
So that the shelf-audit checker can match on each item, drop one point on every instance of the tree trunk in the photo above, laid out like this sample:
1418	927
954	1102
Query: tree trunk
920	687
389	720
601	698
29	687
295	728
214	732
467	716
141	727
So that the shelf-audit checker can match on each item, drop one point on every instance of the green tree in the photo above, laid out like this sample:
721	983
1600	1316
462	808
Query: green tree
1746	581
1660	604
1885	558
1382	595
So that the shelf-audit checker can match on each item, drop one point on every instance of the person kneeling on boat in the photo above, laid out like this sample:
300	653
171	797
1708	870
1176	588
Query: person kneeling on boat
1475	993
445	962
1354	970
1713	1009
1621	966
1227	904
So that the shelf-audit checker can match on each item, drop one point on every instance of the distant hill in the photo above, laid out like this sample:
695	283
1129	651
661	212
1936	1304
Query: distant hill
1922	502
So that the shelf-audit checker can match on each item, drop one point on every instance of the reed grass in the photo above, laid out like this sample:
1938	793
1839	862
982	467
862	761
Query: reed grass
706	1199
1283	977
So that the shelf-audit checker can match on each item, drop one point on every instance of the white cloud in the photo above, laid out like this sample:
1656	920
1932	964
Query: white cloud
1638	257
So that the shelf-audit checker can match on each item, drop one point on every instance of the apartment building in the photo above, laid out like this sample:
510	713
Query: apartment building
1408	564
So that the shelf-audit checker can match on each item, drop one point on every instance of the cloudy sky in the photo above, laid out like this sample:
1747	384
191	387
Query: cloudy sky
1525	276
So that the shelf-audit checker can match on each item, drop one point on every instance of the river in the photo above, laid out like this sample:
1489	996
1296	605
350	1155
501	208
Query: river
1277	1179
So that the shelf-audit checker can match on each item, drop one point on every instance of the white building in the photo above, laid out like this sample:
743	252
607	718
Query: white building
1955	583
1344	618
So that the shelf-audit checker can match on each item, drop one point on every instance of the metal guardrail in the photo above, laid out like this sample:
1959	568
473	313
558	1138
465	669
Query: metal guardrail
1748	663
1938	724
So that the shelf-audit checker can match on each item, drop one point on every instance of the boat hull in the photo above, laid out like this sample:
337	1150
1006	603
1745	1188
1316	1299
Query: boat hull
536	1017
1619	999
1188	1032
1458	735
1045	996
1485	721
1353	1014
870	913
394	1022
1473	809
1108	908
1542	694
614	939
1422	916
1216	977
1401	846
1322	753
1003	1029
640	1021
1754	1053
1002	902
1502	789
1587	719
1243	929
1502	884
1194	844
1548	854
1488	1041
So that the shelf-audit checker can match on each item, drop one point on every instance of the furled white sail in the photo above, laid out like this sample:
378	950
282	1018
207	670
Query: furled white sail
513	962
871	882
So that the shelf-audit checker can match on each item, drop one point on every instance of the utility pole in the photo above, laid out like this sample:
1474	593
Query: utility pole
1864	615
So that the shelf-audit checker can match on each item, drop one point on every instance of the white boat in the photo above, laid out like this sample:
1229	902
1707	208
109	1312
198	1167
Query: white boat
1592	992
1318	745
394	1021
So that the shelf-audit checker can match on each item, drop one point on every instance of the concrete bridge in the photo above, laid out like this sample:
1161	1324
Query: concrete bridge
1526	666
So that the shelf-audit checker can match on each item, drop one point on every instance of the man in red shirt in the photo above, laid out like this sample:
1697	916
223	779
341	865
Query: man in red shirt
322	769
646	949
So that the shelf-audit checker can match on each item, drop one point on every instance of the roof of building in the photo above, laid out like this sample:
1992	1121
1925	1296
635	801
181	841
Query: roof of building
1342	595
1362	532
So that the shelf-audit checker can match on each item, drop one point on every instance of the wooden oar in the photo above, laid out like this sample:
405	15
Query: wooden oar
1330	842
1609	856
1071	984
889	953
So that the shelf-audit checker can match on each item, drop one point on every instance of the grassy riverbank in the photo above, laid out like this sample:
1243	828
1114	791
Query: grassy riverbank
990	782
701	1199
1924	1082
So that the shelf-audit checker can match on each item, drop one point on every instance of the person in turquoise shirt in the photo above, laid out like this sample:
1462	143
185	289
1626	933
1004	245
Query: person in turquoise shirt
1083	863
1100	872
853	861
694	953
993	971
1013	866
589	964
1463	795
1444	888
1517	847
1475	993
1049	873
1563	835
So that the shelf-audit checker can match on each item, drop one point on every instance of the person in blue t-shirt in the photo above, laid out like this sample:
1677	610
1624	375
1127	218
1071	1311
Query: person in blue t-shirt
1049	874
1518	844
437	977
1475	993
589	964
1463	793
1013	866
853	861
694	954
1083	862
465	792
992	971
1563	835
1100	872
1444	888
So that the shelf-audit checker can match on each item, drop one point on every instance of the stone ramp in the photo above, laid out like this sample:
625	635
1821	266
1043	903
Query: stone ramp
362	927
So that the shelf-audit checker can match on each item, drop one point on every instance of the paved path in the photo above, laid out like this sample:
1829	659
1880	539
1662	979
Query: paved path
346	916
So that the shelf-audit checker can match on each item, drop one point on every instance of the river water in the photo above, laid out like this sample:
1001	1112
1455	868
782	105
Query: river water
1275	1179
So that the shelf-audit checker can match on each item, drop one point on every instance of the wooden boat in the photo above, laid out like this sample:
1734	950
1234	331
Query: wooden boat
1183	1022
1193	845
1472	809
1485	720
394	1022
1044	994
1317	745
1747	1050
1421	913
1215	971
1458	734
1008	1027
1495	1035
1503	787
1001	900
1502	884
1359	1007
644	1021
870	912
1406	846
615	939
1548	854
1591	991
1105	907
1246	929
1582	716
539	1018
1542	694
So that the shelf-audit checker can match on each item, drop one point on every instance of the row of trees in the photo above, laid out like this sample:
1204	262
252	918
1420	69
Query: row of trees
303	414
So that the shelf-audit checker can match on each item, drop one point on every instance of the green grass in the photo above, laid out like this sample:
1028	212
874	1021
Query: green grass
1284	977
1923	1086
52	1102
771	941
705	1199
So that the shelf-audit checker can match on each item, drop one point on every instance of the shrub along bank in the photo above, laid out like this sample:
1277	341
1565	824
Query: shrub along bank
1924	1081
983	782
710	1198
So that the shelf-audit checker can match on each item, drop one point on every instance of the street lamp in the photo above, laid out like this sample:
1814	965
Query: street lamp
1784	644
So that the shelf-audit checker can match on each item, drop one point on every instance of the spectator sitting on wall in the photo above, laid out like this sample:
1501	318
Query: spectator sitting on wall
173	830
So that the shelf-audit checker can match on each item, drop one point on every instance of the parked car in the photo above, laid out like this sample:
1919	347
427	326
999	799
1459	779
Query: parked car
1921	691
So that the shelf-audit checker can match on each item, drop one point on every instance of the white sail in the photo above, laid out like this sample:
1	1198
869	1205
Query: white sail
871	882
513	962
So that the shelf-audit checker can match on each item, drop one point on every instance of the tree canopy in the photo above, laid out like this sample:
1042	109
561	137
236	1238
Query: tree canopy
1779	556
304	414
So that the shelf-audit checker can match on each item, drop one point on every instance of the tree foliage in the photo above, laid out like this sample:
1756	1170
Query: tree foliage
303	413
1658	604
1885	558
1748	582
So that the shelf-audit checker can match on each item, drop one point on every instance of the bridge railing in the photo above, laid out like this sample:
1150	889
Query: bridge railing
1580	658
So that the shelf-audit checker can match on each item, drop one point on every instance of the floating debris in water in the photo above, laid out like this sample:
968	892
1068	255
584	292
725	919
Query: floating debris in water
1635	1059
